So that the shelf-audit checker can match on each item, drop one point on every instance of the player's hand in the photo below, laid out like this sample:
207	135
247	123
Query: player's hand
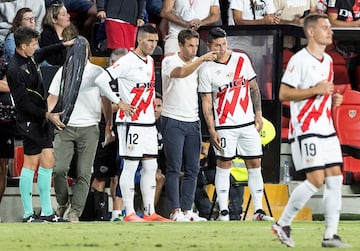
215	140
128	109
337	99
109	137
258	122
324	87
55	119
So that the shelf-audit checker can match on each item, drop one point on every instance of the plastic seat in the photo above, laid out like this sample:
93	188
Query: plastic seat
346	119
18	161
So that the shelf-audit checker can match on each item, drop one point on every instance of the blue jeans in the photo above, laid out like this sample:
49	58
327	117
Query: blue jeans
182	143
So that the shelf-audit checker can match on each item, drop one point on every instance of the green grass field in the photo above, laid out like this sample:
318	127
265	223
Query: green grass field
239	235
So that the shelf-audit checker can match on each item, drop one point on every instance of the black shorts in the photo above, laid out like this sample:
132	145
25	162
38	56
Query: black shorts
7	133
105	163
36	136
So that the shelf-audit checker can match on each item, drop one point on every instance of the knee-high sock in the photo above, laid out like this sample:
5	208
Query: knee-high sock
301	194
127	185
148	185
25	186
222	185
332	204
256	187
44	185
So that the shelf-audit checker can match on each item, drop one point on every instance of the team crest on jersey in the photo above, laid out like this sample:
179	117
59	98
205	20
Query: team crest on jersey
131	147
352	113
309	161
230	75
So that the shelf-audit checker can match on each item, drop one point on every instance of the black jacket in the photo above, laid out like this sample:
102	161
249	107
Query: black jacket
26	85
126	10
49	37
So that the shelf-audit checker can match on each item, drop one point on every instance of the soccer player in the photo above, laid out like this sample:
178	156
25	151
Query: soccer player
181	124
105	162
136	128
229	86
307	84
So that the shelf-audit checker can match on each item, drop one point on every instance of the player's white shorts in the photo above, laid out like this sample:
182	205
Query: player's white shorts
311	153
243	142
136	142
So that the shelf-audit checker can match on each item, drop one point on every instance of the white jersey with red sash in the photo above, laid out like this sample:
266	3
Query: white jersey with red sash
229	84
136	86
312	115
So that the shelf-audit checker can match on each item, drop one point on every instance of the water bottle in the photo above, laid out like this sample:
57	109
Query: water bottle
286	173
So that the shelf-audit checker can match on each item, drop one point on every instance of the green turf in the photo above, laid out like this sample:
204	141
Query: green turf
207	236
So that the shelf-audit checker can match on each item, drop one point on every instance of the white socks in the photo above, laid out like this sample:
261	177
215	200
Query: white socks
332	204
222	185
148	185
256	187
127	185
301	194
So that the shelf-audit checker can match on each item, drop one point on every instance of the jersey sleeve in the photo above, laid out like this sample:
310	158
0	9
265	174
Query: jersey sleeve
291	75
168	65
249	69
237	5
103	83
204	80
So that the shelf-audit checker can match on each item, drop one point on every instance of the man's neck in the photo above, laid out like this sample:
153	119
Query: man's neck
140	53
21	53
225	57
316	50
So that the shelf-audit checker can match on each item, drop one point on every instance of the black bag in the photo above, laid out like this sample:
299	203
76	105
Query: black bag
71	78
96	207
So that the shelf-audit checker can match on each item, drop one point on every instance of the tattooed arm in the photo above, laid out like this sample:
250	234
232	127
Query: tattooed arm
256	99
207	107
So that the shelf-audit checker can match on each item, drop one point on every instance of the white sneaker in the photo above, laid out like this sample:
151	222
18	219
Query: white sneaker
283	234
224	215
334	242
191	216
260	215
178	216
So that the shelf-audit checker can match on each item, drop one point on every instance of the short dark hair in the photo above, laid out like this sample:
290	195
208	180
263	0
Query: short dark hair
312	19
187	34
24	35
215	33
158	95
147	28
